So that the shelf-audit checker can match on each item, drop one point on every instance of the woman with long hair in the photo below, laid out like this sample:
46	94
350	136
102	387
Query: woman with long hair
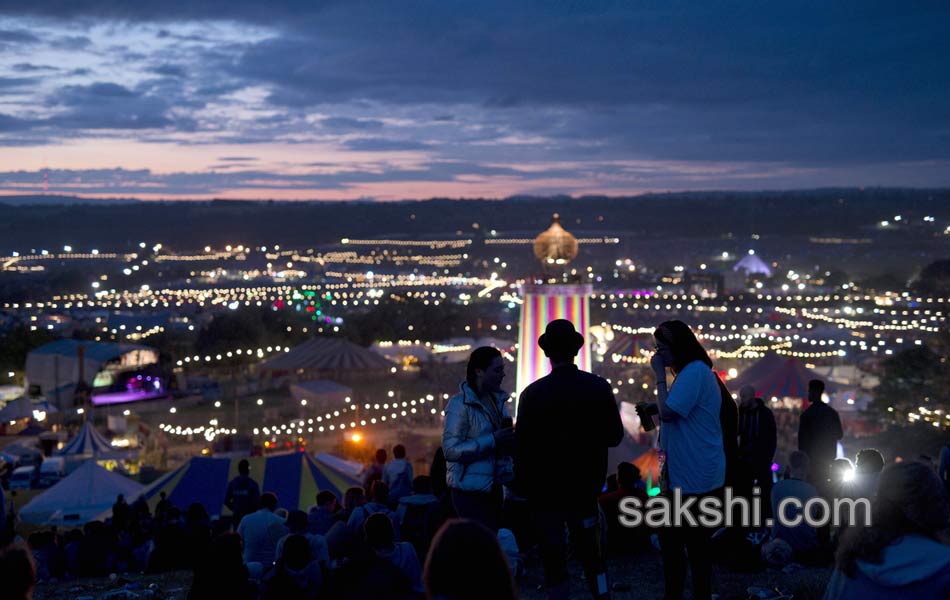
905	551
699	422
478	440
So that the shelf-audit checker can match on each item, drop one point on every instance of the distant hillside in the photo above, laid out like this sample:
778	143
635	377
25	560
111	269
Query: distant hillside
190	225
57	200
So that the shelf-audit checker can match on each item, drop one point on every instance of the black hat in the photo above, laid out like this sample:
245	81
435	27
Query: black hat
560	338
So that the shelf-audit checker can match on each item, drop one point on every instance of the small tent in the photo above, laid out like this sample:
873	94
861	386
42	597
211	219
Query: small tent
775	376
295	477
86	494
90	443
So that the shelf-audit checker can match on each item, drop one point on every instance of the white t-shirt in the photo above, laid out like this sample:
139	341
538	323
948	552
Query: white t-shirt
696	461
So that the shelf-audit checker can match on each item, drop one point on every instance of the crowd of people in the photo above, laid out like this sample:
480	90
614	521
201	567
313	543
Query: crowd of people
499	491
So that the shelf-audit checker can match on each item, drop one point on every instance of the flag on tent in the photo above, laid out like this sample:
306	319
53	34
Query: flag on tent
296	478
86	494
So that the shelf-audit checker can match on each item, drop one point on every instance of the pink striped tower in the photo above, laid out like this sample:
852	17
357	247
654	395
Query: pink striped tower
543	304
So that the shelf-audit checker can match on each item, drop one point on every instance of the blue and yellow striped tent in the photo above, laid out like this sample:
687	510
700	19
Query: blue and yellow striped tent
295	478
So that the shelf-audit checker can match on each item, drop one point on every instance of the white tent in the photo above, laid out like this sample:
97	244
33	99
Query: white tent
86	494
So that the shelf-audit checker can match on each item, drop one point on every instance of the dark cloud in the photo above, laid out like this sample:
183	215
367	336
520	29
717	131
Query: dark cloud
17	36
168	70
31	68
236	158
12	83
346	123
385	145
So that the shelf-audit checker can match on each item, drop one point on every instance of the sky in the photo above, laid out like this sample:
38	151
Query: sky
310	99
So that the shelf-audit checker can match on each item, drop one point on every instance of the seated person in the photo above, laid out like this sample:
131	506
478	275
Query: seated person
802	538
629	485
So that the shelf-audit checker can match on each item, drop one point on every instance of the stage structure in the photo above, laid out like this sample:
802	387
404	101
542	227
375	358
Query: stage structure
551	296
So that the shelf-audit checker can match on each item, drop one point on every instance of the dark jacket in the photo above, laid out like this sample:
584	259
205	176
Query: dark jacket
243	497
757	435
566	422
818	433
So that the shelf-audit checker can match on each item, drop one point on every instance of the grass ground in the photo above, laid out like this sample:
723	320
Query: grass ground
640	577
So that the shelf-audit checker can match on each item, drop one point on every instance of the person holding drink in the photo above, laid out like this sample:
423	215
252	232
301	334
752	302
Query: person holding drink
478	440
697	419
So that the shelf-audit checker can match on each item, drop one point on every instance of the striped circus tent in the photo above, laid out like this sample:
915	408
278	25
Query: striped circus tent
630	348
295	477
649	465
88	442
776	376
327	354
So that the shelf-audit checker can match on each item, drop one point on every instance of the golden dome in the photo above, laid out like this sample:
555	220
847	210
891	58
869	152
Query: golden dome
556	245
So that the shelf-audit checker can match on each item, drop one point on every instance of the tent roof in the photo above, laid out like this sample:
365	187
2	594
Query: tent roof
97	351
87	441
751	263
778	377
319	387
327	354
295	478
84	495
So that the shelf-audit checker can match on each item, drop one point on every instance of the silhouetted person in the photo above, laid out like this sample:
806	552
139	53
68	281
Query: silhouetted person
757	441
574	413
374	472
121	513
478	440
398	475
296	575
905	551
243	495
16	573
164	504
466	563
819	430
327	511
943	468
297	525
697	434
803	539
221	573
420	515
629	485
380	536
261	530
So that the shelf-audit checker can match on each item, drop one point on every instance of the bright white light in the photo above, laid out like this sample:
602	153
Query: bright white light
848	475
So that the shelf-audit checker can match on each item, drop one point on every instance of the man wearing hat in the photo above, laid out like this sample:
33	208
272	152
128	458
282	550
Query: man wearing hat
566	422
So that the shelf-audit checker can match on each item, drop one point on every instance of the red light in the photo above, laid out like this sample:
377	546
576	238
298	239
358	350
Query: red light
287	444
311	309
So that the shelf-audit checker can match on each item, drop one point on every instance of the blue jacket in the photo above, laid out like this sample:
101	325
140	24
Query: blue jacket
911	567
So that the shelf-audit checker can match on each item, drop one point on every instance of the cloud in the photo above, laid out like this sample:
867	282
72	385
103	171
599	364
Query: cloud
17	36
385	145
346	123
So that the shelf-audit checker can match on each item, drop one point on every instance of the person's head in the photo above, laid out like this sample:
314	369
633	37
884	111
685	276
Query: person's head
460	548
485	370
678	346
353	497
296	552
560	341
910	499
380	492
747	396
297	521
244	467
422	484
120	499
378	532
628	475
798	465
381	456
327	499
196	513
816	387
161	495
269	501
17	573
399	451
868	461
